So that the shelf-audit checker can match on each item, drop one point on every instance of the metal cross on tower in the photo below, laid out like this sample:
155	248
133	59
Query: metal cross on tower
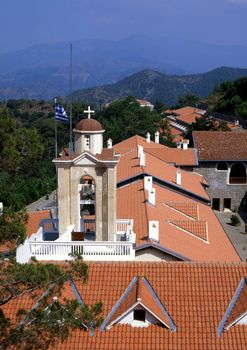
89	111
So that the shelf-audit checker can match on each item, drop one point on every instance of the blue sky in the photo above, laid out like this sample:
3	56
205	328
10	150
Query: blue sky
28	22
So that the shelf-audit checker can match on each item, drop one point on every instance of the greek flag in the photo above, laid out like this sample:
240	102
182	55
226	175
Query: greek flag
60	114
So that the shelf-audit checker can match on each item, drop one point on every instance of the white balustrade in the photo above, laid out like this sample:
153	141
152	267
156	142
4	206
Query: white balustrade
104	251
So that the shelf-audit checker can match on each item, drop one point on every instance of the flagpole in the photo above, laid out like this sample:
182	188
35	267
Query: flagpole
70	111
55	101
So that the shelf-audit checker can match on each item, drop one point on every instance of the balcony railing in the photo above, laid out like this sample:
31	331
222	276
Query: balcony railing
91	251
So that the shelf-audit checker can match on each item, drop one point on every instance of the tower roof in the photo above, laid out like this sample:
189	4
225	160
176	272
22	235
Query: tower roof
89	125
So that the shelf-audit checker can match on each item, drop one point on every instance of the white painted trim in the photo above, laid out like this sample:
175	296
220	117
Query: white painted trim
236	321
89	132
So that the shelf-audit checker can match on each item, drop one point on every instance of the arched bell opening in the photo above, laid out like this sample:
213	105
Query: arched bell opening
87	207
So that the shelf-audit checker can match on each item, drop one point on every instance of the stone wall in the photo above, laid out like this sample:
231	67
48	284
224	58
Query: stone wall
219	187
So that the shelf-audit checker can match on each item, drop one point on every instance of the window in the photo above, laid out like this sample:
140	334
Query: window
237	174
140	315
87	142
222	166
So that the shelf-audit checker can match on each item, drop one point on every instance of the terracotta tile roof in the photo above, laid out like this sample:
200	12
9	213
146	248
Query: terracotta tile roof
129	166
197	228
188	209
189	118
220	145
139	291
187	115
107	154
32	226
132	143
196	295
237	307
34	219
132	204
177	156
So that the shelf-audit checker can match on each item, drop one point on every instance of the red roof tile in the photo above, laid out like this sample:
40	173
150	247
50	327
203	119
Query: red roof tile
220	145
139	291
196	295
132	204
129	166
197	228
188	209
177	156
34	219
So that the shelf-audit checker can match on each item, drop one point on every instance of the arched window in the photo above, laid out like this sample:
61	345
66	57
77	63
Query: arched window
88	187
237	174
87	207
222	166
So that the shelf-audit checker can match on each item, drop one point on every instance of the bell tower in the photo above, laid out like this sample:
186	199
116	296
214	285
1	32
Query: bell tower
87	184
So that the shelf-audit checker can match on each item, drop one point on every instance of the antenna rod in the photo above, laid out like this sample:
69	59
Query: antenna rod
70	109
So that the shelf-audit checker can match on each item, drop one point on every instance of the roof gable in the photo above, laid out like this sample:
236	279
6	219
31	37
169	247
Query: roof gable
139	292
237	308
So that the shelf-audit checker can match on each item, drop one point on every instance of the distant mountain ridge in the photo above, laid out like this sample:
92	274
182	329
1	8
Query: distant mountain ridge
153	86
42	71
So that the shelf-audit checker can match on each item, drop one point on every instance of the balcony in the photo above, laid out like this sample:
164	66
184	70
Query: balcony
122	249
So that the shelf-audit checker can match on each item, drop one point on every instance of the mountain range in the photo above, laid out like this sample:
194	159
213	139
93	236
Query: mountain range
153	86
42	71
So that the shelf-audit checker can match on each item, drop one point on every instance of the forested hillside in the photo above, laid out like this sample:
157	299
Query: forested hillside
153	85
230	98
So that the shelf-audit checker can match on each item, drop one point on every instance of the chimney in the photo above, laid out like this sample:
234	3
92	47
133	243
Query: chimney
109	143
151	196
153	230
178	178
139	151
148	137
143	159
185	144
148	182
157	137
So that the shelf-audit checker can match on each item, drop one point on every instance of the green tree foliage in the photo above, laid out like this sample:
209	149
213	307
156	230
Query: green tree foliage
12	227
231	98
52	317
206	123
125	118
25	174
188	100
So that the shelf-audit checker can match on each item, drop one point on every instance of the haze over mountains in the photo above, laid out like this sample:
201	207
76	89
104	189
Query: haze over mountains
42	71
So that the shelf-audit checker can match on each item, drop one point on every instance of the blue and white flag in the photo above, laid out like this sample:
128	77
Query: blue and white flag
60	114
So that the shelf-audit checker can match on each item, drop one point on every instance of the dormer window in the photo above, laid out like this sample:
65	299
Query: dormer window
139	315
139	306
236	312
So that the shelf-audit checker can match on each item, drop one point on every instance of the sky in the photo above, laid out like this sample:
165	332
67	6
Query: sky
25	23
